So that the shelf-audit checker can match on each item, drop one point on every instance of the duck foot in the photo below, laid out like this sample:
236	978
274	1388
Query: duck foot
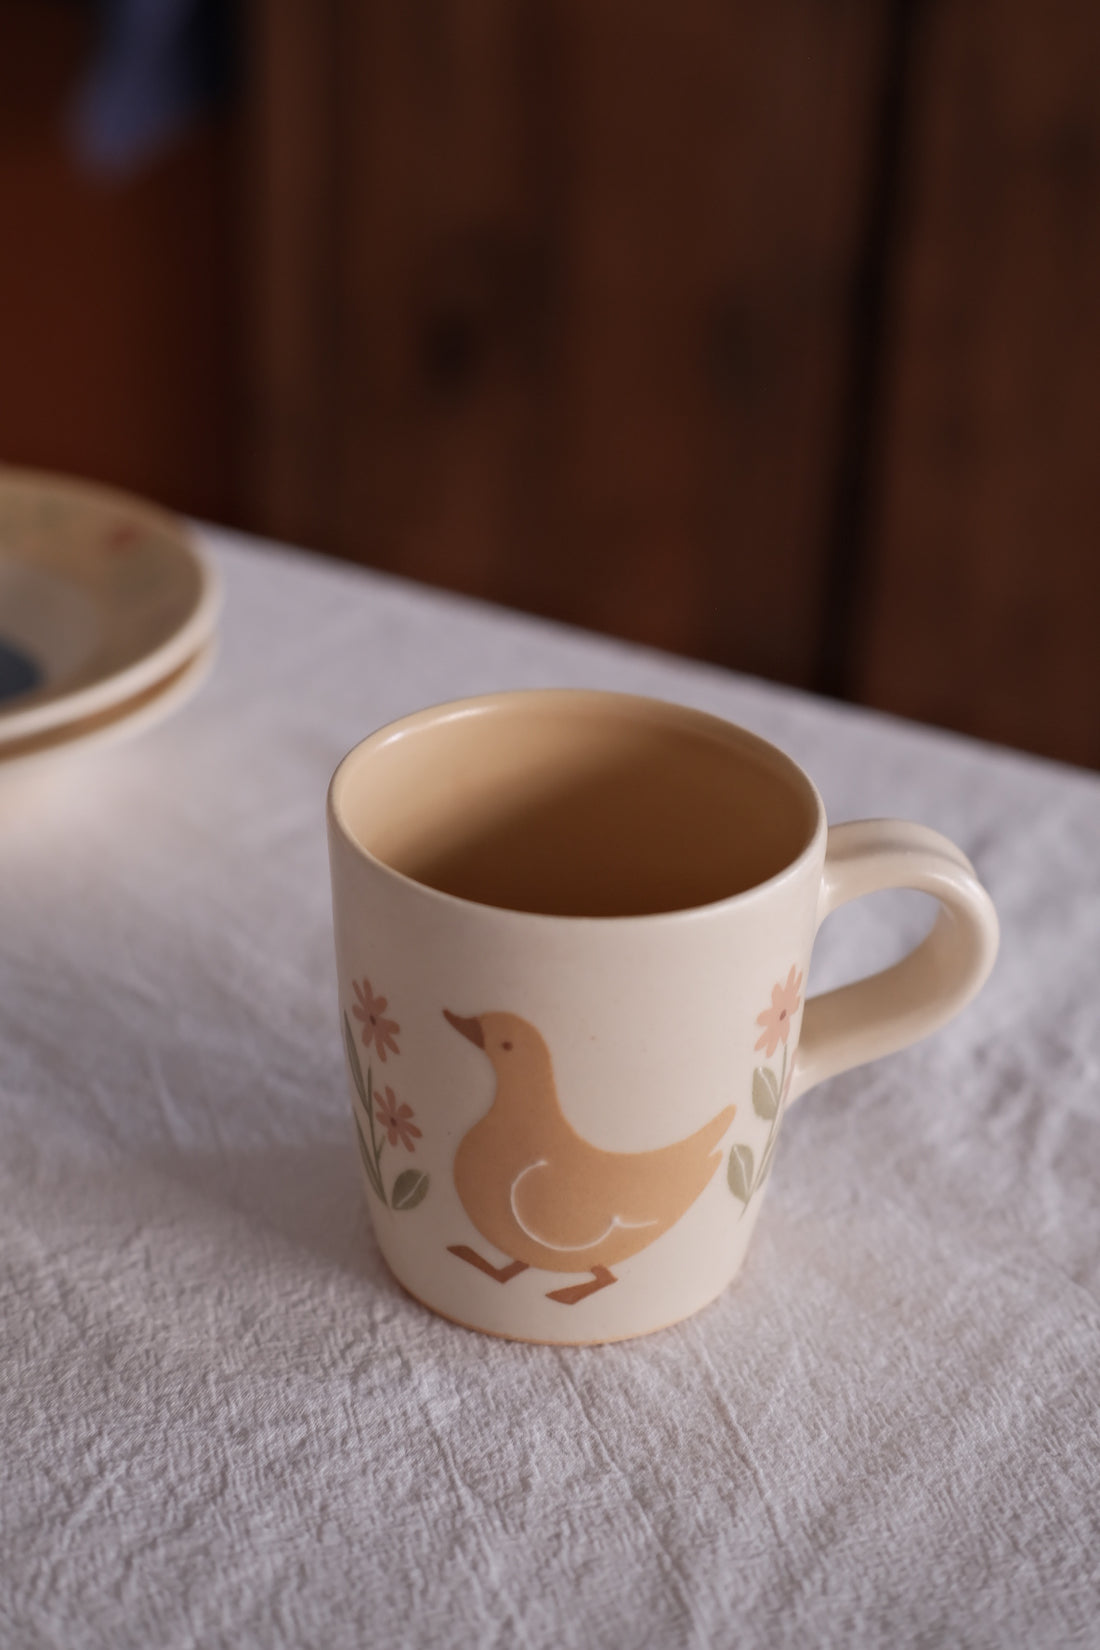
503	1274
601	1277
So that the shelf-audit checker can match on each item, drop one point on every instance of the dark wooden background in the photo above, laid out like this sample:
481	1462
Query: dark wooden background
768	333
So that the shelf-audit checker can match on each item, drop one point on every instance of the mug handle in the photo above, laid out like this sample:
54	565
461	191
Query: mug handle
889	1010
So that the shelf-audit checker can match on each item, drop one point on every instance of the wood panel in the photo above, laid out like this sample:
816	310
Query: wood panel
443	262
289	227
984	607
619	314
586	340
117	297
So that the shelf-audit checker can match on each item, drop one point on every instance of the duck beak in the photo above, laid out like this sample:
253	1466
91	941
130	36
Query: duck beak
468	1028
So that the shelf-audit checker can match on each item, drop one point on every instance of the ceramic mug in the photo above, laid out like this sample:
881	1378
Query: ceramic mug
572	933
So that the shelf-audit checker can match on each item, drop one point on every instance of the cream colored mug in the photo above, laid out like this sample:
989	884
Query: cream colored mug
572	935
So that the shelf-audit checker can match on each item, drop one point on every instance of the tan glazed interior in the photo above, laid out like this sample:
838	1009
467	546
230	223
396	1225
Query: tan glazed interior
576	804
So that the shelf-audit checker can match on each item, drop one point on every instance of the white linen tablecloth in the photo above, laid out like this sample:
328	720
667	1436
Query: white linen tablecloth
223	1422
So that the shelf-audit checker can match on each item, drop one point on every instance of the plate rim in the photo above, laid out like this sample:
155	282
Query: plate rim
161	661
127	720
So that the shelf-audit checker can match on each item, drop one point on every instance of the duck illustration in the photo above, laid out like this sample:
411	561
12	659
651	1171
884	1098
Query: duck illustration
540	1193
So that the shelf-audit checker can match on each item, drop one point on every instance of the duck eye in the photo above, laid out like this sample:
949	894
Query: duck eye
507	1046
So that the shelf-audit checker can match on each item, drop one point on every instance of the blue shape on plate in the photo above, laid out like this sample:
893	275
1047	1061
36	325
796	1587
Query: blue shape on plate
18	672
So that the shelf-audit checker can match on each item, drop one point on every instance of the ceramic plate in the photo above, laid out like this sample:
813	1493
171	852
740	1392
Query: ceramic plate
102	597
108	726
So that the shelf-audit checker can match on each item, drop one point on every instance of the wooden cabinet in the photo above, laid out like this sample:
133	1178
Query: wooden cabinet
982	606
770	334
118	295
554	301
767	333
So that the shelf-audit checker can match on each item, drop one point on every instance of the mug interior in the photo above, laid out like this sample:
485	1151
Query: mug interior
576	804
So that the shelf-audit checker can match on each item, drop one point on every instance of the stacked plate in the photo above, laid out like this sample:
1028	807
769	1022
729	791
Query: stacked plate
107	616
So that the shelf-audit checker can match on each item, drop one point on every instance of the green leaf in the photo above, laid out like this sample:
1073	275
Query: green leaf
409	1189
353	1059
765	1093
740	1172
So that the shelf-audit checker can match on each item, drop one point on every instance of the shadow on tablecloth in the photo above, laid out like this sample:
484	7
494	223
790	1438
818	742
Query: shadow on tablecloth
308	1196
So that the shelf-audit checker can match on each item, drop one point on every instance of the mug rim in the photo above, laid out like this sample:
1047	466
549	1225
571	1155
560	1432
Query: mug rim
474	704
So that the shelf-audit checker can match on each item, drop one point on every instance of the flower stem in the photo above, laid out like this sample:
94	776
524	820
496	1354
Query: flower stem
376	1145
368	1161
773	1126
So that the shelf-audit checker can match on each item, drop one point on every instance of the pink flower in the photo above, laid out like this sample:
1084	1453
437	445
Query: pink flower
377	1030
776	1020
396	1120
122	536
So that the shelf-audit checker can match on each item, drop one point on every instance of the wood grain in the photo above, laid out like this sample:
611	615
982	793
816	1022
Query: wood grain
587	332
619	314
985	603
289	227
116	295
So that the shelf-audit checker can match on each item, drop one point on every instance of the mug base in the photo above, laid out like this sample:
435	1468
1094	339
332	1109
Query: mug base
547	1340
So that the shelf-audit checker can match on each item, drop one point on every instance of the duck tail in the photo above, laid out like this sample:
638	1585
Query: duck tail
711	1133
